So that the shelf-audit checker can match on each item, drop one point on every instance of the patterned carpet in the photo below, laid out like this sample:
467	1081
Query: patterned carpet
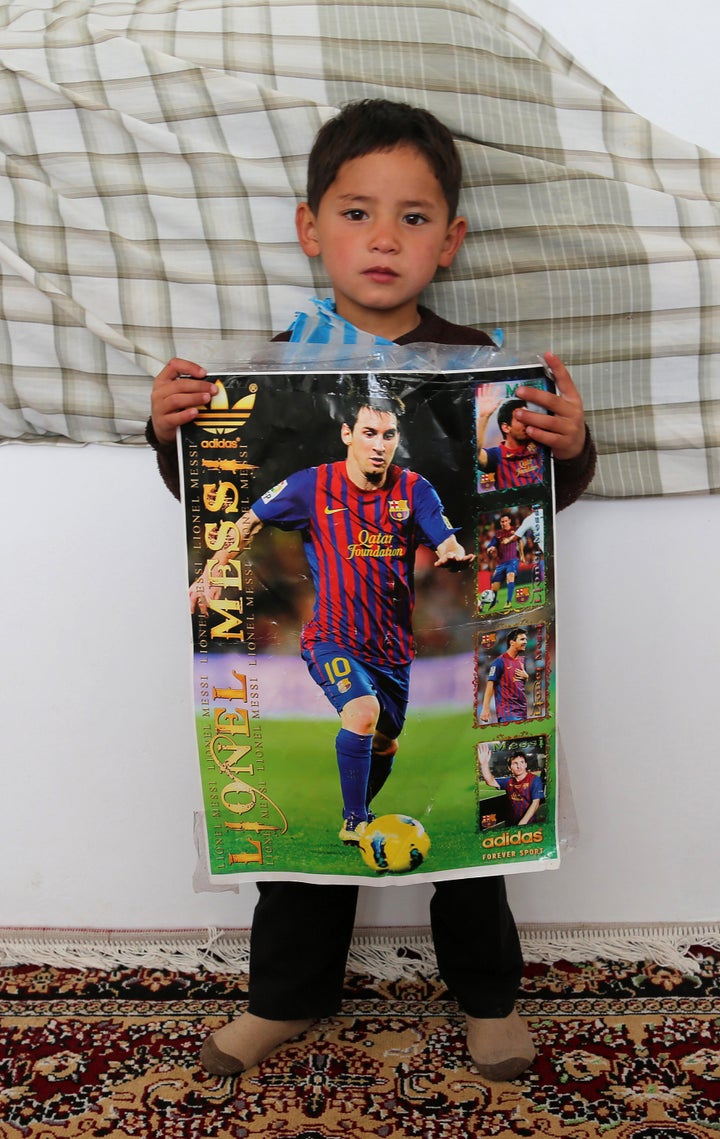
624	1051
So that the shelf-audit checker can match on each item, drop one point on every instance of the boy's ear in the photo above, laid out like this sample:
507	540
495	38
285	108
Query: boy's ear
307	230
453	240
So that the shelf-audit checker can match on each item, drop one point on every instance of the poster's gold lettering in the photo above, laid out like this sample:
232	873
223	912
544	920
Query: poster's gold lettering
231	611
226	536
246	799
236	722
257	827
240	789
223	497
233	693
246	856
513	839
243	795
228	573
222	743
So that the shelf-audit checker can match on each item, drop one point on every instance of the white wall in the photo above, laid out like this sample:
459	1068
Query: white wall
659	57
99	784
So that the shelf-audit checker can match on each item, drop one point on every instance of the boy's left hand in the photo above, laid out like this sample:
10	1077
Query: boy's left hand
564	434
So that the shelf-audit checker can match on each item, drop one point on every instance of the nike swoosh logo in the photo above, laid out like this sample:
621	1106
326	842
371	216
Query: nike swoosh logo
336	510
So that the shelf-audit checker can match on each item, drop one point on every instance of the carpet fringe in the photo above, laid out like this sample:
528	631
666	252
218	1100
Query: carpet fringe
667	945
384	953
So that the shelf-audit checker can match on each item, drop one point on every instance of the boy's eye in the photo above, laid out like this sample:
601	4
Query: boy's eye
414	219
355	215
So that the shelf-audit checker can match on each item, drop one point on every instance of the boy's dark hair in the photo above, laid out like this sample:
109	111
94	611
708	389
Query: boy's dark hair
505	414
372	125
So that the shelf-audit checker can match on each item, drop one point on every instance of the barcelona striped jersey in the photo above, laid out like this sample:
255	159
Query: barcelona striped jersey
360	546
506	551
521	792
510	698
521	467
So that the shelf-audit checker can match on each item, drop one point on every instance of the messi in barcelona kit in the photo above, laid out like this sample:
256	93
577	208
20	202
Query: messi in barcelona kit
360	546
510	698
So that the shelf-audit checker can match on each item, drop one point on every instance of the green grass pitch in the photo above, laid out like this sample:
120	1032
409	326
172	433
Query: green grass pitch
433	780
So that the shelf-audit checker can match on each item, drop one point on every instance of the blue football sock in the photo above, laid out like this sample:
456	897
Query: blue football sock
381	763
510	591
353	756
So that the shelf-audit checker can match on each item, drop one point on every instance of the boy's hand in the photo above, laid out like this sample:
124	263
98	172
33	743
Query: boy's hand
177	394
564	434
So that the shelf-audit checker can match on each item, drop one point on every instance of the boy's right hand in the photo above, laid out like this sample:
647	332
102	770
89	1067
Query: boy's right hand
177	394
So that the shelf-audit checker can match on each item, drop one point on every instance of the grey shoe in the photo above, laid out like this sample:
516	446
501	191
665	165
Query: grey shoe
501	1047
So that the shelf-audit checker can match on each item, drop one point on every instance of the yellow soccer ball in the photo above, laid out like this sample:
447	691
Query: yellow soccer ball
393	844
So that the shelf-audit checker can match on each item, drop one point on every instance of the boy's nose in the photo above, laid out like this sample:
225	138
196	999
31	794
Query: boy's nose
384	238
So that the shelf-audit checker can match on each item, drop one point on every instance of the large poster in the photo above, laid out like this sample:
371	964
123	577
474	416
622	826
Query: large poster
370	566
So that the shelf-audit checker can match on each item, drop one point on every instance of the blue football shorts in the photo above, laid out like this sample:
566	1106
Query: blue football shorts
505	568
343	678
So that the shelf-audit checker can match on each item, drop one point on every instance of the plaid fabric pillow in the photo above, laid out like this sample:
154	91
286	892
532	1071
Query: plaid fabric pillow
152	159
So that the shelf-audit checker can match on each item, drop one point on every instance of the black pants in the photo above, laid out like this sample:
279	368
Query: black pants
301	935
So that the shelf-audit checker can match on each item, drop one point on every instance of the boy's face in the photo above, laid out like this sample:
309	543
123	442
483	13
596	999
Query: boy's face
382	231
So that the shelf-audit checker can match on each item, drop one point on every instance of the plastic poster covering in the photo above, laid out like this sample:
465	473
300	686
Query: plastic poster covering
476	762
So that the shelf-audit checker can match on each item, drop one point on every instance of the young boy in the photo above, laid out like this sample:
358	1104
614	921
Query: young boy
381	212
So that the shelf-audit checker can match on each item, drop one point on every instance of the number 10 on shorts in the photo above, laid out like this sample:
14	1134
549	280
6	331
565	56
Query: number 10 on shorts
337	669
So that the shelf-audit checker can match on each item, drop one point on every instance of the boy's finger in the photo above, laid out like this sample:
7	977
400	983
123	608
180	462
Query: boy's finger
563	379
176	368
188	390
567	393
536	396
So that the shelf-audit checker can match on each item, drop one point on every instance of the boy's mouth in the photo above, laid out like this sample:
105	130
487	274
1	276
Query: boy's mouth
380	273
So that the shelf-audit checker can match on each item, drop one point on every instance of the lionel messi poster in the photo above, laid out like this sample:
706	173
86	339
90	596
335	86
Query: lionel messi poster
371	590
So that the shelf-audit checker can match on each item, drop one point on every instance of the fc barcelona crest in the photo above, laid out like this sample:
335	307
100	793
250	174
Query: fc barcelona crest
398	509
